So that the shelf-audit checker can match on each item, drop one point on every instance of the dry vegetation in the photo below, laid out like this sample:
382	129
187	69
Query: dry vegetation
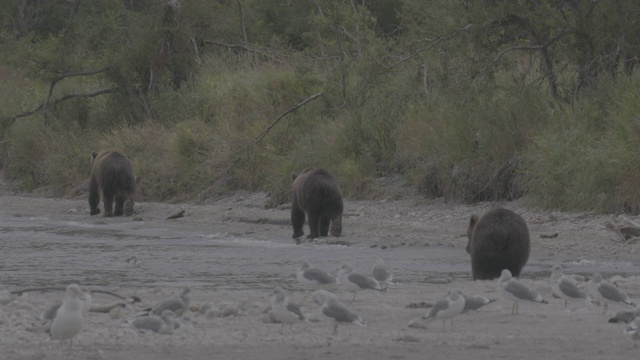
469	102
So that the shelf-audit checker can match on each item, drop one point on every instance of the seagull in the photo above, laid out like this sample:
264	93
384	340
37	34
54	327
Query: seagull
604	291
315	279
516	291
179	304
353	281
565	287
163	324
50	313
67	321
332	308
446	308
85	299
634	328
284	310
475	302
133	262
382	274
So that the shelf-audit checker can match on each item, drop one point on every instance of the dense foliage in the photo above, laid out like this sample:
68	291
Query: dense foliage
470	100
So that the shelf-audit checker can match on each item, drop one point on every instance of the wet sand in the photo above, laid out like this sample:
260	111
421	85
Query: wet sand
538	332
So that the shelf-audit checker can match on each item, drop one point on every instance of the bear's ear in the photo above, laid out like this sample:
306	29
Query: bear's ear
93	155
473	220
293	176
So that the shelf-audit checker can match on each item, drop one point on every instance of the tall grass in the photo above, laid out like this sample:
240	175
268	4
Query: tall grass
587	159
468	145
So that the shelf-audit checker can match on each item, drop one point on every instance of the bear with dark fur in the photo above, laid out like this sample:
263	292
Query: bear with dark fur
498	240
316	192
112	179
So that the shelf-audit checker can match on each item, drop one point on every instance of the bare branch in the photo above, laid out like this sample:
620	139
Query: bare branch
227	161
542	48
244	47
242	24
66	97
63	76
264	132
433	43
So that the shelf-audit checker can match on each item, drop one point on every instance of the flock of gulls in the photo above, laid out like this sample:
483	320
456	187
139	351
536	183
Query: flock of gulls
65	319
453	304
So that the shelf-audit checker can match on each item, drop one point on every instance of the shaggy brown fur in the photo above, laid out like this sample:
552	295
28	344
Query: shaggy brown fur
316	192
112	179
498	240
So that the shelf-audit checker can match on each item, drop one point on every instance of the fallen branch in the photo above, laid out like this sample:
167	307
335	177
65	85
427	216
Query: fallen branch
177	215
549	236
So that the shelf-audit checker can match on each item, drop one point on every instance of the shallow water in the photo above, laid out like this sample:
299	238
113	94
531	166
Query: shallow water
38	251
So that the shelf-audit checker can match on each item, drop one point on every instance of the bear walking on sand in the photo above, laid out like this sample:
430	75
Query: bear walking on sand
498	240
316	192
112	179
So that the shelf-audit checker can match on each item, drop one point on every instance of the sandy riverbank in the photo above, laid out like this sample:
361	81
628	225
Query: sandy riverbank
539	332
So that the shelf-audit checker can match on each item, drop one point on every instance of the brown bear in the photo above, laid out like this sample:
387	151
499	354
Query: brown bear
498	240
112	179
316	192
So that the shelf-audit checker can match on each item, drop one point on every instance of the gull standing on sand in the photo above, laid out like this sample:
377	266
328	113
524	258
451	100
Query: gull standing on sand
314	279
566	288
475	302
163	324
284	310
604	291
382	274
67	321
353	281
179	304
332	308
85	299
446	308
516	291
634	328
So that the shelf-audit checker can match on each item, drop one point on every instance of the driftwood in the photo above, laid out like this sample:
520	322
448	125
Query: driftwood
549	236
43	289
626	231
105	308
177	215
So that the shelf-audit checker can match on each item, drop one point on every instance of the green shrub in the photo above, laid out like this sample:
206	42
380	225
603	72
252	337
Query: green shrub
470	145
587	160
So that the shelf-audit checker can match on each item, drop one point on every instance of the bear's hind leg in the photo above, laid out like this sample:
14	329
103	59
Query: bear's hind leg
314	224
324	226
336	226
117	211
297	220
128	207
107	202
94	197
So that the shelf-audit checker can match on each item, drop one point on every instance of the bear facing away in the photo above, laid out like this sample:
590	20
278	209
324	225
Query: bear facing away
498	240
112	179
316	192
